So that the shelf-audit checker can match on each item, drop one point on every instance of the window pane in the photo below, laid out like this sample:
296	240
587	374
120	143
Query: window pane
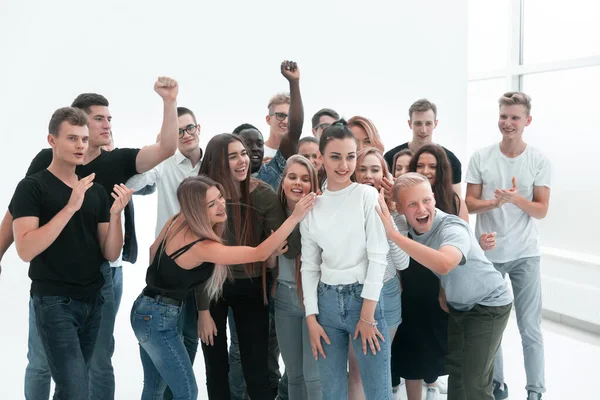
565	104
489	35
560	30
482	113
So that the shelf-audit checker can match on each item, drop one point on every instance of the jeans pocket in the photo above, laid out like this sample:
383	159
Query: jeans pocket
46	302
142	328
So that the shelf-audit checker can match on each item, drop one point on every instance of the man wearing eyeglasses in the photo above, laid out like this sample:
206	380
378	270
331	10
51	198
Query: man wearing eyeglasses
323	120
279	109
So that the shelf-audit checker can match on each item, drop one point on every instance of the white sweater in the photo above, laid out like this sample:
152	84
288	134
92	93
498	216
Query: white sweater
343	242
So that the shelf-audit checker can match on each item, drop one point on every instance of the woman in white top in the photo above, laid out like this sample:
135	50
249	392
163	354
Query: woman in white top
344	257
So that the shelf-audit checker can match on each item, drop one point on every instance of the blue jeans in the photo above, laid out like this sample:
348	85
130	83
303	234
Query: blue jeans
102	383
102	376
68	329
164	357
526	282
188	327
339	313
294	342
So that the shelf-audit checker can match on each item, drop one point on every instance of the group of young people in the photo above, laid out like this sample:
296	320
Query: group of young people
357	265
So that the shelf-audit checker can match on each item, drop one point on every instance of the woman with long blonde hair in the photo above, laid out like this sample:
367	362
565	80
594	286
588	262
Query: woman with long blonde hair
299	179
189	252
366	133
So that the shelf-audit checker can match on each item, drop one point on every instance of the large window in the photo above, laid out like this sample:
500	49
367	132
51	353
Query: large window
550	50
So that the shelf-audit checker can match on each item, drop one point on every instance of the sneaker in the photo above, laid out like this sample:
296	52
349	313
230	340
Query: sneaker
433	393
441	384
533	395
500	394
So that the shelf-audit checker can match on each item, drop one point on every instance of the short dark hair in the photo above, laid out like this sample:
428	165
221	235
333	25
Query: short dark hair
85	100
308	139
322	112
186	111
74	116
422	105
339	130
243	127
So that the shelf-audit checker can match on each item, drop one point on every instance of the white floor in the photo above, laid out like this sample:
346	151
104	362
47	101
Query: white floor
571	356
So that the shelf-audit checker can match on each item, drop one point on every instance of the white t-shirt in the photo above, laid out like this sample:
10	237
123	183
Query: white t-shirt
167	176
269	152
343	242
517	234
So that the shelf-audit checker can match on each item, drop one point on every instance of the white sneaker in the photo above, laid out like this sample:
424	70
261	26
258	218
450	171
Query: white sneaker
432	393
441	384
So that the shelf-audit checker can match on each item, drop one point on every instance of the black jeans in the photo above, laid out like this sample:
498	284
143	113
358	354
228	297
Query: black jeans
251	315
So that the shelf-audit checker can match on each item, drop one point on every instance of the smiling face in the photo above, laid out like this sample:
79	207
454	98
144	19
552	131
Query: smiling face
188	142
256	146
296	184
310	150
513	120
238	160
340	162
370	171
427	166
215	206
417	203
422	124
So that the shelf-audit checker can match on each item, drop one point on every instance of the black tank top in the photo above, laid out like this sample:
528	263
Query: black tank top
166	278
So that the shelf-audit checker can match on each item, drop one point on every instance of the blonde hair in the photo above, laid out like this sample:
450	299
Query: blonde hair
191	195
408	180
279	98
372	151
370	129
514	98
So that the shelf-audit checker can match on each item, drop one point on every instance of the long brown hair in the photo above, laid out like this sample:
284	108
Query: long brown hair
314	187
445	197
193	216
215	165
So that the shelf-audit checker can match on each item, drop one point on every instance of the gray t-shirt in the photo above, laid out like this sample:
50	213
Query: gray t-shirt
474	280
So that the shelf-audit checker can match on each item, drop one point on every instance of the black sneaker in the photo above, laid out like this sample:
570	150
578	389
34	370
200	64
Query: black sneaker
533	395
500	394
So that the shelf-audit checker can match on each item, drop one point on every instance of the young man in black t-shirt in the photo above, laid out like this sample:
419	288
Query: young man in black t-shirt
423	120
110	168
66	228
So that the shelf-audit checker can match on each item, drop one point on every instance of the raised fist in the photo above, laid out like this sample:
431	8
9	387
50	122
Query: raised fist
290	71
167	88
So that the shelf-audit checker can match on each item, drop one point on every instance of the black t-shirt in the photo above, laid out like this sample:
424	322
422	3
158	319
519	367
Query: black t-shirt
164	277
111	167
454	161
70	266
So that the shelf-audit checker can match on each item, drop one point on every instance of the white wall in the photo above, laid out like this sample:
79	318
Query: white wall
370	59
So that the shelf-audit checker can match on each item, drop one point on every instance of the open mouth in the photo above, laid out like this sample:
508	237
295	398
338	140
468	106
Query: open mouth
240	170
340	173
255	158
297	191
221	214
78	154
369	184
423	220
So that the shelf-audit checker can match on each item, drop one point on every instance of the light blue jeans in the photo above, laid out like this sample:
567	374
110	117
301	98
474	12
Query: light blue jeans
294	342
527	288
339	313
164	356
102	381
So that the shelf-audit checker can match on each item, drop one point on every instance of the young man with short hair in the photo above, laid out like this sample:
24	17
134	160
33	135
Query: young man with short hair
66	227
508	186
322	120
477	296
110	168
277	119
423	121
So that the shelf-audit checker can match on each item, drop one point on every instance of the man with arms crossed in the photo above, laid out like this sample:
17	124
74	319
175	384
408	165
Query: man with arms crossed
508	186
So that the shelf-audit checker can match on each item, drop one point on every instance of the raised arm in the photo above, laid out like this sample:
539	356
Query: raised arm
289	142
150	156
396	255
111	234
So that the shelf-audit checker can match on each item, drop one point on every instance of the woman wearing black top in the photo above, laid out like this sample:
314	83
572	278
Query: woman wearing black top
184	256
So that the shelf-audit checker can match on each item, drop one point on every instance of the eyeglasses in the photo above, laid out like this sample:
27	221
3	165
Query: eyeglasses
322	126
280	116
191	130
